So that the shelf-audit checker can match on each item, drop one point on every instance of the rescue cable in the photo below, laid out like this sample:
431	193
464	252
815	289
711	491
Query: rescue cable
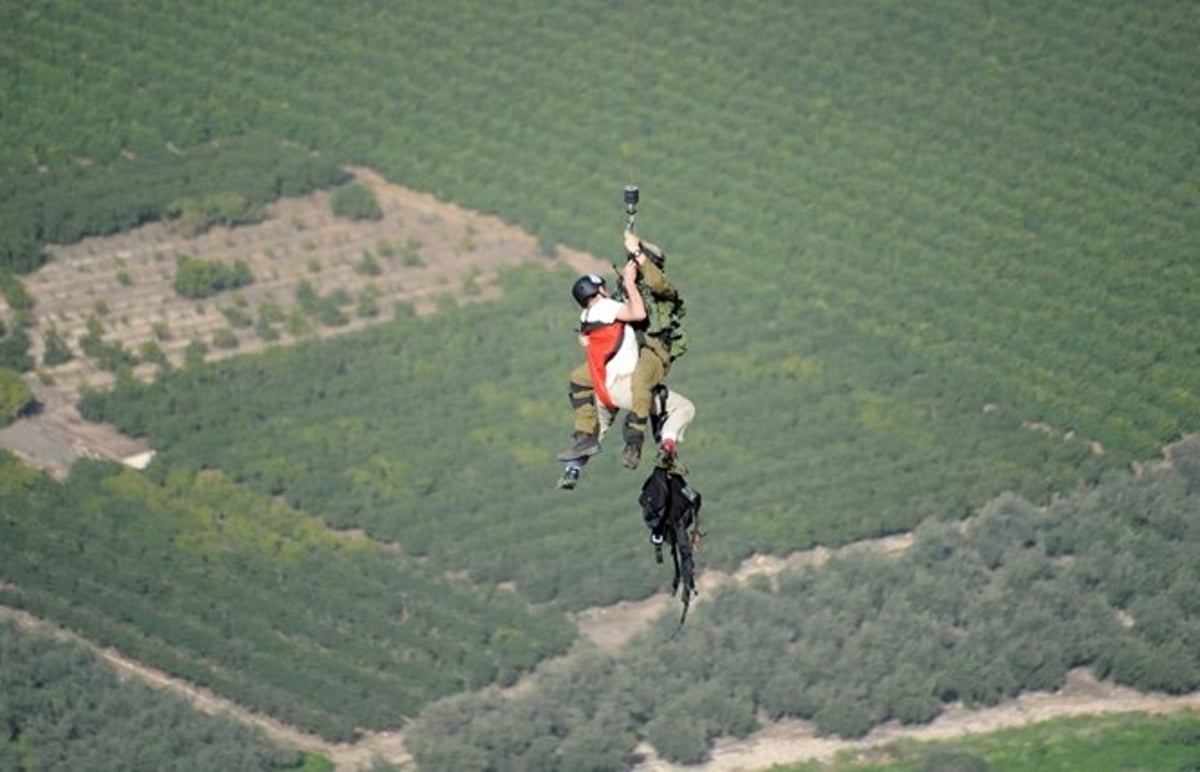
631	189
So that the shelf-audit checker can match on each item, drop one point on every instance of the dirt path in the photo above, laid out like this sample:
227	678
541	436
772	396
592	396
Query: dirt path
797	741
347	756
611	627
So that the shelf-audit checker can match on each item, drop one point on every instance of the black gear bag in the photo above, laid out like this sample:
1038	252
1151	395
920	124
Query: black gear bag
671	510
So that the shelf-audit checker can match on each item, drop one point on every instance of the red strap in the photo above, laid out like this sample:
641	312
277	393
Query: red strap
603	343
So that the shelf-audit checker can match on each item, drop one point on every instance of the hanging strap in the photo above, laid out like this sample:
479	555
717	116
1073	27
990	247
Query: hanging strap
630	77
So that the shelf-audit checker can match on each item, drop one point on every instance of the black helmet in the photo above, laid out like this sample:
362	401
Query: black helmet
585	288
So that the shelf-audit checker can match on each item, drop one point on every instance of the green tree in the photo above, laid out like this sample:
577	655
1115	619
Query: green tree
57	351
196	215
356	202
678	736
14	292
150	351
14	348
367	265
1185	455
15	394
844	715
307	298
199	278
20	252
195	352
225	338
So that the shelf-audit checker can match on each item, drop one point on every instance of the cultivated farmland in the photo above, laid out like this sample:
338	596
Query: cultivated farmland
939	264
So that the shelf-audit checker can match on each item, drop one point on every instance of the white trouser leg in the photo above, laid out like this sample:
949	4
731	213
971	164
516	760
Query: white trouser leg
680	410
606	416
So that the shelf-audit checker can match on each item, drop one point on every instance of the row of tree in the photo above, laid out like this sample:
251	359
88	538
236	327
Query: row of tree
226	184
221	586
1105	579
211	183
63	709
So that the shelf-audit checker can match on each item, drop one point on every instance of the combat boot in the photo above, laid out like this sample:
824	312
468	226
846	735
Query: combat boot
635	435
585	445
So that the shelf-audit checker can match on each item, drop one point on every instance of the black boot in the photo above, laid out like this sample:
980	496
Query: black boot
634	432
585	445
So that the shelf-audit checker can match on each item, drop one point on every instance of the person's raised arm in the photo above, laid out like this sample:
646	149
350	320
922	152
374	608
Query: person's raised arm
634	308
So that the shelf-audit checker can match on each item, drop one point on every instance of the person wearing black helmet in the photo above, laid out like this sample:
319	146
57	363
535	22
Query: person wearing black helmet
623	364
605	334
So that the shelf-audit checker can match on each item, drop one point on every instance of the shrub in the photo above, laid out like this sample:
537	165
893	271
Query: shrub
1185	455
150	351
196	215
356	202
236	317
678	737
198	278
265	330
225	338
14	293
844	715
368	303
57	351
14	349
368	265
195	352
15	395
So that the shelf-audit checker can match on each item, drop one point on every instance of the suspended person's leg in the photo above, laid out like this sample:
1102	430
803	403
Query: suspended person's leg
586	422
571	472
680	414
651	371
573	468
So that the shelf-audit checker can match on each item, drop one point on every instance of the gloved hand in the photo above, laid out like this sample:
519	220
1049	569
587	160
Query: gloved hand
633	245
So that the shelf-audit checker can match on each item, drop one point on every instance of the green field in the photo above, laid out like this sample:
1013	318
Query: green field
222	587
64	709
1087	744
933	253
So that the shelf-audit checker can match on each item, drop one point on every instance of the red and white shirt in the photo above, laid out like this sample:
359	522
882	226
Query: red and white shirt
612	349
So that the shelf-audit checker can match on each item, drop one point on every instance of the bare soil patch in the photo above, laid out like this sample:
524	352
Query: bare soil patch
790	742
422	253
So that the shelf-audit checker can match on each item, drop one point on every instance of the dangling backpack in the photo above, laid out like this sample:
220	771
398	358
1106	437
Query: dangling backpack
671	510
